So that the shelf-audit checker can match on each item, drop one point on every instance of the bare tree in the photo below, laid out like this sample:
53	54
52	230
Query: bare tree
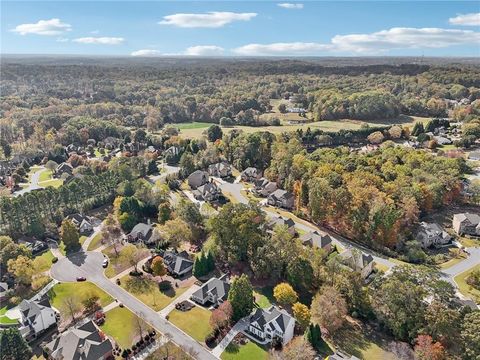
112	233
71	305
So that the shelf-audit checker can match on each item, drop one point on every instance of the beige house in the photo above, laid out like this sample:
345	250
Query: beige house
466	224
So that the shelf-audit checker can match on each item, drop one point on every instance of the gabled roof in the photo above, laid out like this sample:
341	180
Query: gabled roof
433	230
474	219
31	309
280	221
268	318
3	287
314	238
357	260
141	228
177	263
281	194
208	188
251	171
82	343
215	286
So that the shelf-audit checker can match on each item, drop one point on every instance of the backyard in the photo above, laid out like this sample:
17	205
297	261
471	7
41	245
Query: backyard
195	322
244	352
124	326
466	289
263	296
147	290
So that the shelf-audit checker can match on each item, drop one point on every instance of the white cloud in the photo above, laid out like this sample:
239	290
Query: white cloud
62	39
293	48
43	27
204	50
395	38
146	52
100	40
472	19
290	5
214	19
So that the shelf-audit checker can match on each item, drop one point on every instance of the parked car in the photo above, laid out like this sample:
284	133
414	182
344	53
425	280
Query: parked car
81	278
105	263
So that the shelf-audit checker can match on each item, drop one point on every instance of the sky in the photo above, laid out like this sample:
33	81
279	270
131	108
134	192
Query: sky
241	28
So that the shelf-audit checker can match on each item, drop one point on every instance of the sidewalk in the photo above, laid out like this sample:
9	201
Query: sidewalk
127	271
185	296
240	326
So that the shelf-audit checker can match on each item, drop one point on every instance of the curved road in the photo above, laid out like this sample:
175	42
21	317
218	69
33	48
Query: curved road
33	183
89	265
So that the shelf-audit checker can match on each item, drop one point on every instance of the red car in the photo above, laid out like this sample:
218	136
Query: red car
81	278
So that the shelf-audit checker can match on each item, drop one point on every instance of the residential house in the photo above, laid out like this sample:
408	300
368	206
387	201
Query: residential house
177	263
64	168
143	233
314	238
474	155
197	178
214	291
83	223
442	140
250	174
341	356
36	317
281	221
208	192
466	224
431	234
263	187
281	198
358	261
85	342
221	169
3	291
267	324
33	244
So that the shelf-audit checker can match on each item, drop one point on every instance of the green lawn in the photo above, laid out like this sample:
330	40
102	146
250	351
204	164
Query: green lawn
173	351
469	242
82	239
80	291
147	291
96	242
263	296
53	182
43	262
195	322
244	352
5	319
45	175
466	289
123	326
117	264
192	125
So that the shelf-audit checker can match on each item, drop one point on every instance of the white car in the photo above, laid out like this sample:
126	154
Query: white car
105	263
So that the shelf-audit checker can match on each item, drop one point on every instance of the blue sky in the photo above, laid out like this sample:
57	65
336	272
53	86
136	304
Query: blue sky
247	28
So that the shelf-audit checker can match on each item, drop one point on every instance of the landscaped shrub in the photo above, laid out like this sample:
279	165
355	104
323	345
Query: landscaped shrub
54	260
165	285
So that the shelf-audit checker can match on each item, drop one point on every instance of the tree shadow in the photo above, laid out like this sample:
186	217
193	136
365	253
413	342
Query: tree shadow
232	348
77	258
166	288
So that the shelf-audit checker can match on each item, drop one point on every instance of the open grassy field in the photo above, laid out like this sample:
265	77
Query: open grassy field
195	130
43	262
244	352
80	291
195	322
123	326
466	289
147	291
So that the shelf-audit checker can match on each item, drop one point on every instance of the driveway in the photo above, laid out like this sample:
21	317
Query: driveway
89	264
167	170
33	183
240	326
185	296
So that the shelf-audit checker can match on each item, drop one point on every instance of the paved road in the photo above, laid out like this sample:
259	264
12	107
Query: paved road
33	183
89	264
166	170
466	264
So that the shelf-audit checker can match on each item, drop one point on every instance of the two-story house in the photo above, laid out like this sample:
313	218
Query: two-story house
466	224
431	234
36	317
281	198
214	291
267	324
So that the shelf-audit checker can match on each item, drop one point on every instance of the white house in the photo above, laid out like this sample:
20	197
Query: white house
267	324
431	234
36	317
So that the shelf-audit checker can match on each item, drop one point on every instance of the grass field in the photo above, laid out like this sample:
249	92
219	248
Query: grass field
469	242
5	320
168	351
80	291
195	322
117	264
123	325
43	262
53	182
466	289
147	291
95	243
244	352
45	175
195	130
263	296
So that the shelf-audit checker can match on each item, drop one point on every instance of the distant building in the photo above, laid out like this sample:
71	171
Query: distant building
63	168
431	234
315	239
250	174
281	198
85	342
267	324
142	232
358	261
83	223
214	291
466	224
263	187
197	178
3	291
281	221
221	170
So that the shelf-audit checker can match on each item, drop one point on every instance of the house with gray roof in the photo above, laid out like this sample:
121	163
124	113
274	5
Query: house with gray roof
267	324
221	170
214	291
431	234
142	232
281	198
177	263
3	291
474	155
466	224
263	187
357	261
281	221
63	168
36	317
207	192
83	223
315	239
85	342
197	179
250	174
